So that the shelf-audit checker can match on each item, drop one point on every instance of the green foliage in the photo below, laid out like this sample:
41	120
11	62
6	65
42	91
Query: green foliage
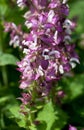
76	10
73	103
73	86
52	116
20	118
47	115
7	59
49	118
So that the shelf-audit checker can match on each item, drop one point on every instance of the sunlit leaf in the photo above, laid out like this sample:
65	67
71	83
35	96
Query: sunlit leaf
7	59
47	115
53	117
20	118
76	9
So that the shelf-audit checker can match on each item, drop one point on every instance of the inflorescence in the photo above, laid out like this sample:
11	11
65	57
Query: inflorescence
47	45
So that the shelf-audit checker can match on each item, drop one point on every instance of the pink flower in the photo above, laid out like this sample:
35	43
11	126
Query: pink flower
72	127
47	49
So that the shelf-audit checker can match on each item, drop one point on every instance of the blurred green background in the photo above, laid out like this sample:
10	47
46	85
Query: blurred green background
73	105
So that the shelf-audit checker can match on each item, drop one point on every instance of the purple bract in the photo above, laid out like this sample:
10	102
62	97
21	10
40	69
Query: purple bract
49	52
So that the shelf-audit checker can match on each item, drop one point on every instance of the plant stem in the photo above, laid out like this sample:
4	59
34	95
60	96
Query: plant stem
4	75
3	68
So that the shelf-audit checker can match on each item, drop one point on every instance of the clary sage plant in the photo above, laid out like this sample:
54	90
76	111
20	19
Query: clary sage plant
49	52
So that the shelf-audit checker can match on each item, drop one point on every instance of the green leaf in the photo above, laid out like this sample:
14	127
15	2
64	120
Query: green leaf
74	87
53	117
76	9
61	118
3	7
32	127
47	115
4	99
20	118
7	59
